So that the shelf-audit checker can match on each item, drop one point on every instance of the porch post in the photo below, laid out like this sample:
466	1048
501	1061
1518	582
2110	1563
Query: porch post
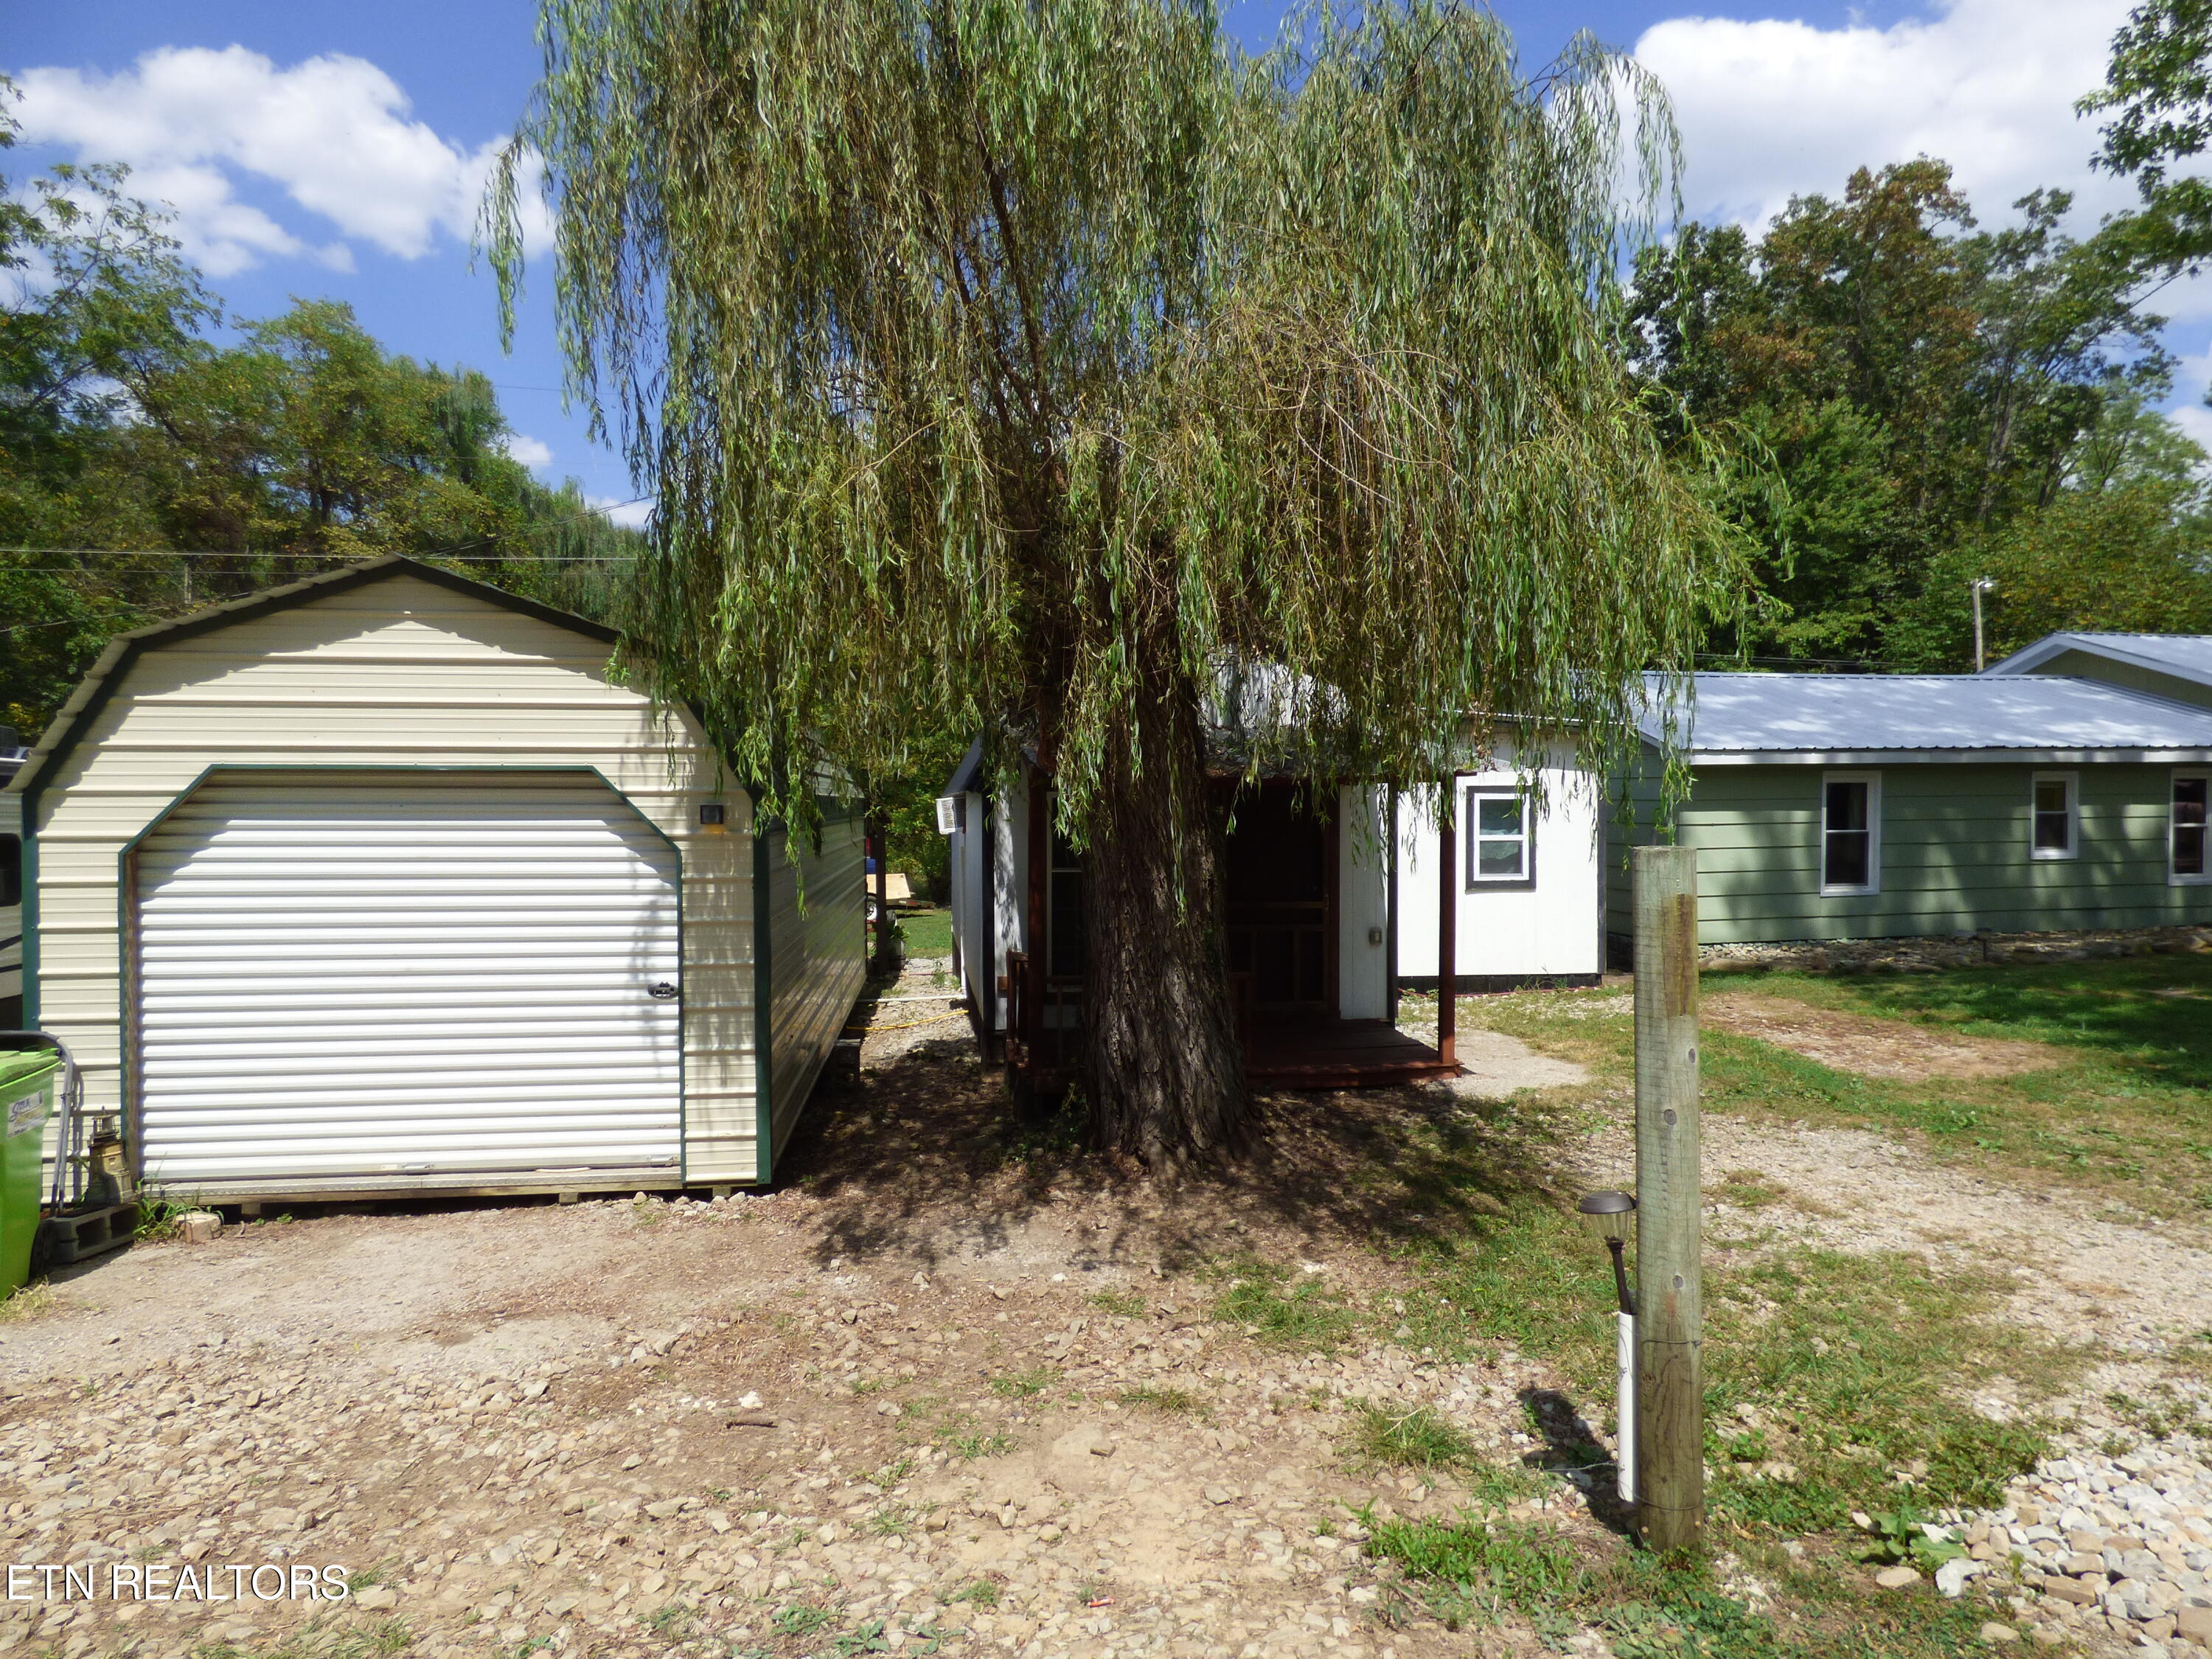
1039	929
1390	904
1448	926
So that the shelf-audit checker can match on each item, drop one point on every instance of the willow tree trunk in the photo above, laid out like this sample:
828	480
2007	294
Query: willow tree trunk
1163	1070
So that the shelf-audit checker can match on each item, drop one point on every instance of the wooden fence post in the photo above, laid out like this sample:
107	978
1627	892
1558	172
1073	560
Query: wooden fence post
1670	1452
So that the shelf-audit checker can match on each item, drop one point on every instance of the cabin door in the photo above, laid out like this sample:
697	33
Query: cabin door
1280	876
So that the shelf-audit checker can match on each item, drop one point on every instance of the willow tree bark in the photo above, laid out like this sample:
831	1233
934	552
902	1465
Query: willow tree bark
1163	1073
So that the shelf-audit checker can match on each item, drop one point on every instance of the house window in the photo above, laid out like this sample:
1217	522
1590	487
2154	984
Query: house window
1500	839
11	869
2192	792
1851	832
2055	830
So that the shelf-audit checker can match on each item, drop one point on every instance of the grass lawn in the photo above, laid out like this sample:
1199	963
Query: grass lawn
2128	1108
1828	1376
927	933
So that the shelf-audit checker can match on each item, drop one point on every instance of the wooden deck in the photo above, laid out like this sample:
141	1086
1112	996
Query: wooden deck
1340	1054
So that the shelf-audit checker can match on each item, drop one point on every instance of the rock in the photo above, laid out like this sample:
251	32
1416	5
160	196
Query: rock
1220	1495
1951	1577
376	1595
2075	1590
2195	1623
1896	1578
199	1226
1994	1633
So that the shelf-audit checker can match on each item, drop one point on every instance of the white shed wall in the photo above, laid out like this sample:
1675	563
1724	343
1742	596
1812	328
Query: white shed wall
394	672
1362	908
1549	927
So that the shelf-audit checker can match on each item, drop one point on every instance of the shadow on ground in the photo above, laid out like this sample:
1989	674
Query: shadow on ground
925	1156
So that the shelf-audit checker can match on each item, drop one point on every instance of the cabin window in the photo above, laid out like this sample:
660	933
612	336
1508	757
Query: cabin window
1851	832
1500	837
2055	830
2192	792
11	869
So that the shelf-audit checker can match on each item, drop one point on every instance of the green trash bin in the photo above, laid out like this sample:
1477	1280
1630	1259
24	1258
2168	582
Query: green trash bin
27	1081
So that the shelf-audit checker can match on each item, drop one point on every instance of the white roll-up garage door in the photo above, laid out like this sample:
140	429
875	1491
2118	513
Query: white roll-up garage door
359	980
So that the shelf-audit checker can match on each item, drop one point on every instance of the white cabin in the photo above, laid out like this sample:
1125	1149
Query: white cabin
1329	918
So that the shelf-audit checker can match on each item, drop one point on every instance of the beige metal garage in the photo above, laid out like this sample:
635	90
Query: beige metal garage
379	884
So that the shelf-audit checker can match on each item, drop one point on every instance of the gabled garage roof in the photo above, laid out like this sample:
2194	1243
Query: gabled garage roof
64	731
1841	720
2186	656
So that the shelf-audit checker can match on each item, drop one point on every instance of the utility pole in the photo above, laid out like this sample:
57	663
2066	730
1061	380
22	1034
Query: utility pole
1982	585
1670	1403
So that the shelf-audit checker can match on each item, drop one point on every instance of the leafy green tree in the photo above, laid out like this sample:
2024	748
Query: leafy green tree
1028	366
129	433
2134	557
1888	382
2159	88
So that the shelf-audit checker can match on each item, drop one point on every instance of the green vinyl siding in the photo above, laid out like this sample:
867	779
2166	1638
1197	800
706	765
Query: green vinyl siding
1954	854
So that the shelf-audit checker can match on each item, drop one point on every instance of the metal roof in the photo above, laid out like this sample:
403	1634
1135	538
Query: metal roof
1842	717
2185	656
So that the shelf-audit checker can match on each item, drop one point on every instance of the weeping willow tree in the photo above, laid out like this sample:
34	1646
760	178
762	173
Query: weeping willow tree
1033	366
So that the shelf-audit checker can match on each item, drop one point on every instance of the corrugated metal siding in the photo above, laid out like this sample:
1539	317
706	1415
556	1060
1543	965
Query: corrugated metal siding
436	976
1955	855
396	672
817	958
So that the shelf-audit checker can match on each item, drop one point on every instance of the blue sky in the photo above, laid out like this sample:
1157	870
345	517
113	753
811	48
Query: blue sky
334	150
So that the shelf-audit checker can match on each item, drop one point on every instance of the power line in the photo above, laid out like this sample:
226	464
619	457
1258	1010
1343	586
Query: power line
186	553
435	552
25	627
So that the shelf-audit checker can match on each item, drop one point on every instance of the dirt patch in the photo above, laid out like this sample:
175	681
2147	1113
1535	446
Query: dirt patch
956	1387
1872	1047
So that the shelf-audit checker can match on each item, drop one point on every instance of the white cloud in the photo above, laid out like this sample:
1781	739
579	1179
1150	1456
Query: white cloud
630	515
1768	108
529	451
334	132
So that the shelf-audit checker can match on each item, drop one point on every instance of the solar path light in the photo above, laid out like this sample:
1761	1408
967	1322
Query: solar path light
1611	1216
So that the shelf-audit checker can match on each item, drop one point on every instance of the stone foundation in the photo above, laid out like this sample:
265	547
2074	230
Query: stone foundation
1926	955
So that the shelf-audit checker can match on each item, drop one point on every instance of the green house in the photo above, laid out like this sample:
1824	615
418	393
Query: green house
1838	807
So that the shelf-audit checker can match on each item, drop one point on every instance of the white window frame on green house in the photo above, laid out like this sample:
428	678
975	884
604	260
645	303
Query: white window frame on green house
2175	827
1524	839
1871	830
2070	816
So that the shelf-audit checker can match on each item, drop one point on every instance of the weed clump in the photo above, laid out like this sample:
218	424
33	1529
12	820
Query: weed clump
1422	1438
1307	1315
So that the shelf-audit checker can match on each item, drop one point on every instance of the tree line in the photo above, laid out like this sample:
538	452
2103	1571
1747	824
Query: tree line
140	421
1039	368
